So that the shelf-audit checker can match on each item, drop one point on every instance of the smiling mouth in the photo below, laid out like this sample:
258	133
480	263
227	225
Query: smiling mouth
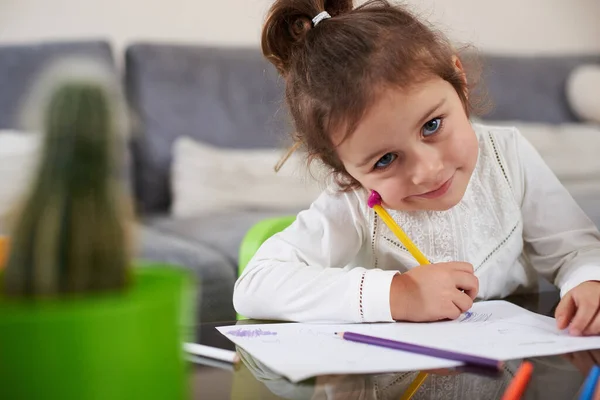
439	192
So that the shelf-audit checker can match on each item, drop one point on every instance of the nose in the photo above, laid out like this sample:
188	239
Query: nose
427	166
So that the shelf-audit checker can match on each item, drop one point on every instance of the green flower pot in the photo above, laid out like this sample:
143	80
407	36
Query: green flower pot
125	345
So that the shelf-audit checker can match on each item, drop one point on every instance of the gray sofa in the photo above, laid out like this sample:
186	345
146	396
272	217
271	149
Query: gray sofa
231	97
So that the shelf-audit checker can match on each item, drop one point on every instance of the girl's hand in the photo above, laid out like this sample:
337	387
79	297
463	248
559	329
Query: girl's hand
583	360
579	310
433	292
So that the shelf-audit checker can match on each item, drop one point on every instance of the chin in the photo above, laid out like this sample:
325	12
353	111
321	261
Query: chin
443	205
449	200
429	206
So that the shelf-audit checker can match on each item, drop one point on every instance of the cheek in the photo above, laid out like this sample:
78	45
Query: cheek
464	149
392	189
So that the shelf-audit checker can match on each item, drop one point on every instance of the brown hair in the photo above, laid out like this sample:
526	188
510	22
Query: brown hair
335	70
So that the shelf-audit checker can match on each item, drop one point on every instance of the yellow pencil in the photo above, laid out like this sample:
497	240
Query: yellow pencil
375	203
414	386
410	246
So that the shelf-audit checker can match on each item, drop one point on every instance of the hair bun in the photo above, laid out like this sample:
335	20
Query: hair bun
338	7
287	24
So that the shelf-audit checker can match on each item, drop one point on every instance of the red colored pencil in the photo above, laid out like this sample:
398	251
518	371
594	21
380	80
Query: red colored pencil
517	386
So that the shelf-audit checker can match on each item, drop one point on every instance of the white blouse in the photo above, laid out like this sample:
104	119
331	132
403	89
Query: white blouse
337	260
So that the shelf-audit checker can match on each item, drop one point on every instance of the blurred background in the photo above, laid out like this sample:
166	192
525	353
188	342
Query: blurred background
209	123
506	27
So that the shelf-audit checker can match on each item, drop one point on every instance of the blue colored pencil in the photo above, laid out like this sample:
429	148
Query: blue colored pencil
589	387
428	351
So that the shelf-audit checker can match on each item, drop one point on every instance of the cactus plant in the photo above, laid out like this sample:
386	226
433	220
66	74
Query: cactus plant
70	234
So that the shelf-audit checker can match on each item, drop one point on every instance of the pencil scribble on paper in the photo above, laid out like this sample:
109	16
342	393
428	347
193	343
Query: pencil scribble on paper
471	316
250	333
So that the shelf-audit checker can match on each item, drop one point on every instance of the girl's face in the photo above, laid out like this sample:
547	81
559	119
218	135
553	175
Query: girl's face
416	148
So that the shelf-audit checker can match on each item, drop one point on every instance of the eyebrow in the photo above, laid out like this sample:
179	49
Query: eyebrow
368	159
426	116
430	113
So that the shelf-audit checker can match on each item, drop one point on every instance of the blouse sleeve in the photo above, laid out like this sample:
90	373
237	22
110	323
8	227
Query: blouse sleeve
561	242
304	273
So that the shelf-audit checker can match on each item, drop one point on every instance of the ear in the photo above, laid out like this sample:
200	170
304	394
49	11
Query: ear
460	69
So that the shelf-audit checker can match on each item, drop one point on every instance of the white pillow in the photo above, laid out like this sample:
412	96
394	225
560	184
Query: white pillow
206	179
583	88
18	160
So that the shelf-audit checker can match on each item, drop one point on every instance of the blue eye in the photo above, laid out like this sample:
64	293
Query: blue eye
386	160
432	126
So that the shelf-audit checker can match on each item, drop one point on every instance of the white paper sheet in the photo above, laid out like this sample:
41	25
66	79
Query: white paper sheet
494	329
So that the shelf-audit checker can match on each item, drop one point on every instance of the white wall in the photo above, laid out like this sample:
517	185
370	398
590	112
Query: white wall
223	22
508	26
520	26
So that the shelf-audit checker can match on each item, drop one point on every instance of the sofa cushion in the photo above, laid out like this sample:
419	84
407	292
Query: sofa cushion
206	179
223	232
18	159
20	64
227	97
214	272
530	88
582	90
560	144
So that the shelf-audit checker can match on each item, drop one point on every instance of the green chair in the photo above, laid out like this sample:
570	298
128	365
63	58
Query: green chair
256	236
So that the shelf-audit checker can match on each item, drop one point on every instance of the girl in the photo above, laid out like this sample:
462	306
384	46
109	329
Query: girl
383	100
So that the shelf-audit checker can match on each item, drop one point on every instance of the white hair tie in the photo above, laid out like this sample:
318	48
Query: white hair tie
320	17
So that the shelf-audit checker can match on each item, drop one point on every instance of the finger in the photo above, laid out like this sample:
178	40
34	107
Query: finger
452	311
581	360
586	311
462	301
564	311
593	327
568	356
584	360
467	282
463	266
595	354
597	392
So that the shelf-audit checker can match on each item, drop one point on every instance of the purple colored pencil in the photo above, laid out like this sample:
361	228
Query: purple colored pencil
424	350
